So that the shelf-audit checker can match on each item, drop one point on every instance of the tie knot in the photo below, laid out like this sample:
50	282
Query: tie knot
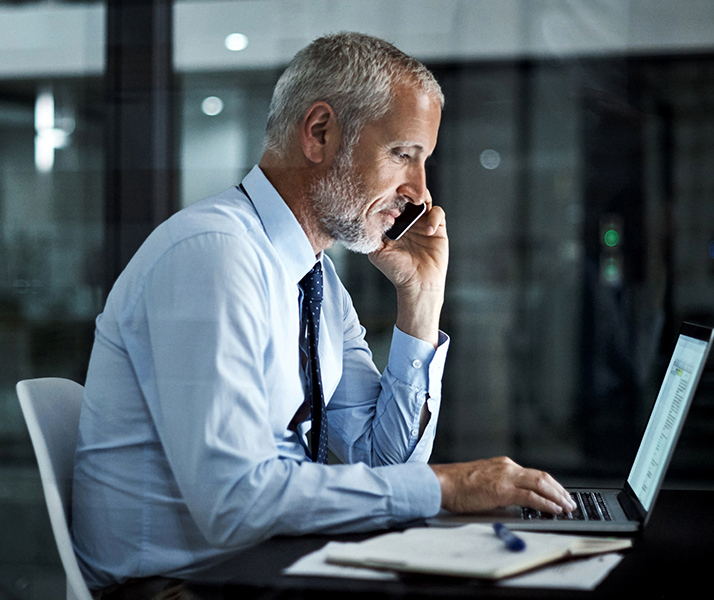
311	285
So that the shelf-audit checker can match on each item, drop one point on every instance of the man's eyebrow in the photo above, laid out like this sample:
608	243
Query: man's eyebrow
407	144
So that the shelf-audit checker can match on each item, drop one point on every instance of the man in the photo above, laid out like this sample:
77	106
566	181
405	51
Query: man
193	440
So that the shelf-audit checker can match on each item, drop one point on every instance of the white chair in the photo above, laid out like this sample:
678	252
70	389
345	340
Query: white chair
51	409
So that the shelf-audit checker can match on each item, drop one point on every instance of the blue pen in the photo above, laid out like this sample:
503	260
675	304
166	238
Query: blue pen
513	542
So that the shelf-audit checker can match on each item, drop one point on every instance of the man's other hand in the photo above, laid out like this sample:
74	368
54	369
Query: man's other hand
496	482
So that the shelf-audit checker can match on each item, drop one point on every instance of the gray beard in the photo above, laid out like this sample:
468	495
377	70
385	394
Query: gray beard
338	200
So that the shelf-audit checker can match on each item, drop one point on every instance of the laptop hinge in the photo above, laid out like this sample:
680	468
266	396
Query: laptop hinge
630	507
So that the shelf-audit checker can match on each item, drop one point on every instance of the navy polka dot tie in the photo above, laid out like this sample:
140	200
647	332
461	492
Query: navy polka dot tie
311	286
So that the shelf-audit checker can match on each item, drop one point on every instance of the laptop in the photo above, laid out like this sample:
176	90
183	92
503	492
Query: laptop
628	509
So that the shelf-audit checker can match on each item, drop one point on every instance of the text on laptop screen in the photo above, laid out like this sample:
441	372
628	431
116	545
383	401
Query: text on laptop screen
664	423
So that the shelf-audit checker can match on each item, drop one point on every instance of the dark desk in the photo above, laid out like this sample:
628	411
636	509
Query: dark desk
674	557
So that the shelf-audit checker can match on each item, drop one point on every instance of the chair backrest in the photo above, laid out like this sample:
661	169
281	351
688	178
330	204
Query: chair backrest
51	409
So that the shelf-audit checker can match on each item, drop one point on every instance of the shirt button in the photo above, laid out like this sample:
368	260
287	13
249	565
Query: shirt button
416	363
415	432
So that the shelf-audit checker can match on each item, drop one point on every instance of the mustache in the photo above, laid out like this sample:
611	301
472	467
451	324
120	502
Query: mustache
400	204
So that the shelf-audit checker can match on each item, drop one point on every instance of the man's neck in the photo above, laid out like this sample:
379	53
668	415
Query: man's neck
293	183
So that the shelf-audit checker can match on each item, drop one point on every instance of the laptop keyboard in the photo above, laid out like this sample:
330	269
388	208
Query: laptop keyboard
591	507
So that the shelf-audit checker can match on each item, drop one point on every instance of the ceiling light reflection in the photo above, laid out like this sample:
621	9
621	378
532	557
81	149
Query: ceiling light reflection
51	133
212	106
490	159
236	42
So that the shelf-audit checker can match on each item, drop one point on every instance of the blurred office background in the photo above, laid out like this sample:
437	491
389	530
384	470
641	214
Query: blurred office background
575	164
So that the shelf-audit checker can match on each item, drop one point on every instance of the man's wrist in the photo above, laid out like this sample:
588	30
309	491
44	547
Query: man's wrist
445	483
418	314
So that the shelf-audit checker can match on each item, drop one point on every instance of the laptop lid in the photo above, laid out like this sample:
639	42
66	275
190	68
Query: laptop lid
666	420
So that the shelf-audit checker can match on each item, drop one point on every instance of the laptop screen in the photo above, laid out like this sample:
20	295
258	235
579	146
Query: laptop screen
666	419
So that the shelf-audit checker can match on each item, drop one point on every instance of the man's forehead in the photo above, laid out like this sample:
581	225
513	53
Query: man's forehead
409	124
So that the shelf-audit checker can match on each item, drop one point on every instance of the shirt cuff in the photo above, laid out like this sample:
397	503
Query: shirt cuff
416	492
417	362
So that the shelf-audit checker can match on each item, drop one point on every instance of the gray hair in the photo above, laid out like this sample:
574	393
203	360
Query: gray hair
352	72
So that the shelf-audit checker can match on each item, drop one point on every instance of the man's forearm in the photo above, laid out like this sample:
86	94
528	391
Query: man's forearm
418	314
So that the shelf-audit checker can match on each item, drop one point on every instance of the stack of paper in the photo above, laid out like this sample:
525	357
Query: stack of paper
468	551
579	574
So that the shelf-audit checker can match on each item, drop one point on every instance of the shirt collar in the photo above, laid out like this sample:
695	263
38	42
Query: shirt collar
284	231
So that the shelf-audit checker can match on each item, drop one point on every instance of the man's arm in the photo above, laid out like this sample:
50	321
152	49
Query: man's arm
417	265
375	418
217	410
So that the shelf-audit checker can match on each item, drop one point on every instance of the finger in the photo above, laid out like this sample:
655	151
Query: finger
558	494
544	486
428	200
535	501
434	219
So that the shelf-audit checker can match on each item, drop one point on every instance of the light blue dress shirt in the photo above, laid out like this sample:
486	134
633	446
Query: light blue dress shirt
185	454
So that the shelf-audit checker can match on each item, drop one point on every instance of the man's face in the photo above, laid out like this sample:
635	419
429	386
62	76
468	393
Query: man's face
367	188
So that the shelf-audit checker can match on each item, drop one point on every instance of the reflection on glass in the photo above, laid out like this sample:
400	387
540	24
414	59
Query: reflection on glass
236	42
51	198
48	137
490	159
212	106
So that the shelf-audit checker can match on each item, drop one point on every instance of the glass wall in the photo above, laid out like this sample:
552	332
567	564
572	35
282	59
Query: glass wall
51	197
572	187
52	148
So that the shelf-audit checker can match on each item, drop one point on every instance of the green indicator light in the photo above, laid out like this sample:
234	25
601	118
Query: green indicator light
612	273
612	238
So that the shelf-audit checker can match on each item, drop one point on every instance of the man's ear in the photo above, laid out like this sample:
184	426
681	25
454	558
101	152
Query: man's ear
319	133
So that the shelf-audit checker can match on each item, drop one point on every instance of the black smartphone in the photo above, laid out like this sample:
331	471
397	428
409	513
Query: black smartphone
403	222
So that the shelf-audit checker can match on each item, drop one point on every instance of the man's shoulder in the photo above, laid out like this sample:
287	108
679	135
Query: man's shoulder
229	212
212	229
225	219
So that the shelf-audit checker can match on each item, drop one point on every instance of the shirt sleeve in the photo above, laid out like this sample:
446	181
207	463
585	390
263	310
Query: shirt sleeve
205	385
375	419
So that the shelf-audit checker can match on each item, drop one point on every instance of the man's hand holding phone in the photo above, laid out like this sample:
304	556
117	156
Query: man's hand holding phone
416	264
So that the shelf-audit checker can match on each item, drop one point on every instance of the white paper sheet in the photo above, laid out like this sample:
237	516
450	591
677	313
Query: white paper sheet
579	574
314	565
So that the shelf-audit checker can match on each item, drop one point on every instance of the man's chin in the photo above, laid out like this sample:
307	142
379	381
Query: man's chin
363	245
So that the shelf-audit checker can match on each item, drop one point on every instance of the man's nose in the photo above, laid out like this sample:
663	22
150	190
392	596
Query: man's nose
414	186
